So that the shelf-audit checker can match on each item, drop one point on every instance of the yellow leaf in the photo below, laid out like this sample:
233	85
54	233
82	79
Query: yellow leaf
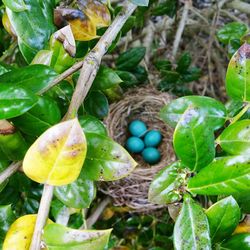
243	227
57	156
97	12
83	30
7	25
82	27
20	233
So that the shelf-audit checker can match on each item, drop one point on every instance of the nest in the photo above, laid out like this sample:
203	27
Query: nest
144	104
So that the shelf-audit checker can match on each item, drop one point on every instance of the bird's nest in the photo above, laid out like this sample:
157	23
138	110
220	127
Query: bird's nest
142	103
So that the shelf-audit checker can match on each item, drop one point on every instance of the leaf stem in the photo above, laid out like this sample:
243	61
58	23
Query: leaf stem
90	66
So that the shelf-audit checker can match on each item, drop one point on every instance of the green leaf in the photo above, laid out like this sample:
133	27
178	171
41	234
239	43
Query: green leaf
140	2
243	199
33	77
15	5
194	140
167	7
166	185
233	30
106	160
128	79
91	124
235	139
214	111
238	241
7	217
60	60
191	230
163	65
15	101
39	25
39	118
140	73
233	107
130	58
192	74
96	104
106	78
184	62
233	46
225	175
238	75
223	218
58	237
78	194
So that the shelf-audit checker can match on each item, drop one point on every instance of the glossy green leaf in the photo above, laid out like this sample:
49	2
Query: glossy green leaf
38	19
33	77
15	101
58	237
238	74
7	217
223	218
106	78
225	175
38	119
15	5
243	199
214	111
60	60
43	57
78	194
114	94
166	185
91	124
234	107
96	104
233	30
106	160
191	230
140	73
236	242
194	140
128	79
235	139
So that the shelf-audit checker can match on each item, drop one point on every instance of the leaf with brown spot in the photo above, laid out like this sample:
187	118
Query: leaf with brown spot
57	156
82	27
97	12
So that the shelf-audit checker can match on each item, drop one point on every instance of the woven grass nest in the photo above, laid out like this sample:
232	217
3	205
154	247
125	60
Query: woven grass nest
142	103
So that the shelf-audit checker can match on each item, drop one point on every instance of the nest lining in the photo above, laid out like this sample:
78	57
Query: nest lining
142	103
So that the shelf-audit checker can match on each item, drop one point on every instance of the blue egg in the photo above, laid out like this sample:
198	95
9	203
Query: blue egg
137	128
134	145
151	155
152	138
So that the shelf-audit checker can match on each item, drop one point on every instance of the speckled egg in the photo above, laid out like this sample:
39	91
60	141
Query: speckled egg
137	128
153	138
151	155
134	145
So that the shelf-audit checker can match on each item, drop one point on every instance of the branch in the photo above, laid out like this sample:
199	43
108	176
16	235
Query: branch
89	69
10	171
181	27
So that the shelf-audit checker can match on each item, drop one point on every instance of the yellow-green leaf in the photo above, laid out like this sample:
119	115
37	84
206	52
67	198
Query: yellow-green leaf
57	156
20	233
58	237
96	11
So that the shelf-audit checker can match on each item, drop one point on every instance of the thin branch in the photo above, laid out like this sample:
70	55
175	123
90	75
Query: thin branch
10	171
181	27
89	69
97	213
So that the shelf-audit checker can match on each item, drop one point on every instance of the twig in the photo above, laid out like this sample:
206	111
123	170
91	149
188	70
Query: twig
88	72
181	27
97	213
10	171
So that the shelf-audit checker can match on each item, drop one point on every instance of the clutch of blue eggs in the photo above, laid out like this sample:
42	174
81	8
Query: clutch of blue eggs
143	141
